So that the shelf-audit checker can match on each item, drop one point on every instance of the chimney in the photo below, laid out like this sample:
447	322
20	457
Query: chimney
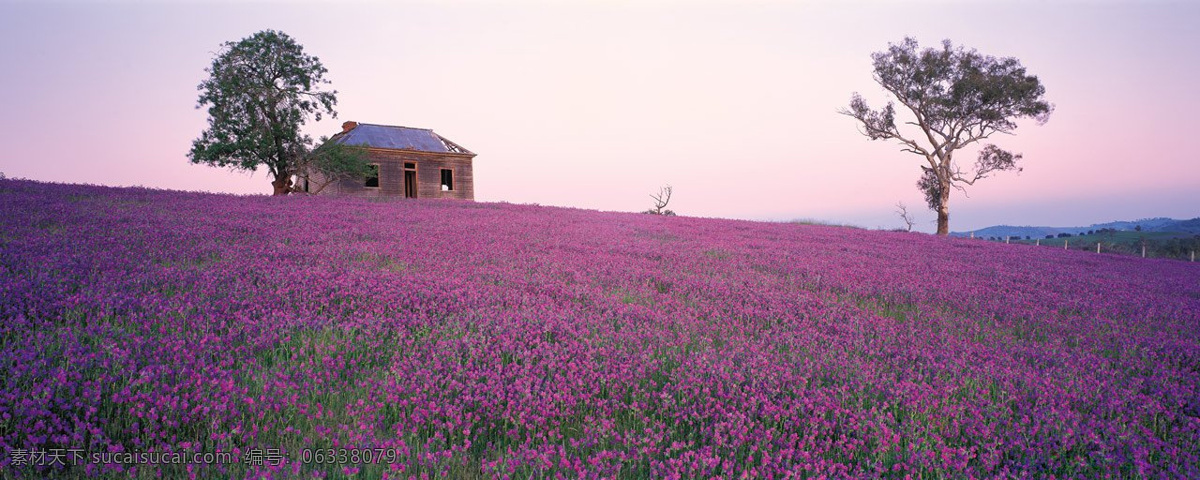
348	126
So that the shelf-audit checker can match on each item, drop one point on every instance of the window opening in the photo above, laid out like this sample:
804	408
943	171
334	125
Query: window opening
372	175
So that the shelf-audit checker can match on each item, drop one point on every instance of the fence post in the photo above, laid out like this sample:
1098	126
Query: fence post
1193	255
1038	242
1065	244
972	234
1006	239
1143	251
1097	247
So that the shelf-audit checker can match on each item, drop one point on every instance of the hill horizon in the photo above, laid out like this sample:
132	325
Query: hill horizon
1155	224
1152	224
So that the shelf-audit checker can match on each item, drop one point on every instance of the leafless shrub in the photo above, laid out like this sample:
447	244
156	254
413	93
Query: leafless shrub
660	202
902	210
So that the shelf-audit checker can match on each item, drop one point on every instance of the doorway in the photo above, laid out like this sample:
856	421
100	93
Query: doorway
410	180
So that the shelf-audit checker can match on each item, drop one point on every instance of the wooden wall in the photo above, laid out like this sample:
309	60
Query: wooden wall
429	175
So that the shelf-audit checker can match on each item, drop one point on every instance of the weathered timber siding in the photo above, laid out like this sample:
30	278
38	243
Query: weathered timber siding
429	175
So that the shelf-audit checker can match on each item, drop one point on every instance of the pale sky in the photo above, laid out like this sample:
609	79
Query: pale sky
595	104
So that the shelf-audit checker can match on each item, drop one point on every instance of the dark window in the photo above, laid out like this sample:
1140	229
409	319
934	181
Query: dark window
447	179
410	166
372	175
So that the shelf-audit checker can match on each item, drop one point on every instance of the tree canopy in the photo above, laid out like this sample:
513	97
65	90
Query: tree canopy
957	98
331	162
260	91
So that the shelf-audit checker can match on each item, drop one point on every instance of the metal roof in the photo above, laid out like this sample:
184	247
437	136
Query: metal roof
398	138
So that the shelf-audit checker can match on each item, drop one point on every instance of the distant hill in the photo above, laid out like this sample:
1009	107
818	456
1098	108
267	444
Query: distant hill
1160	224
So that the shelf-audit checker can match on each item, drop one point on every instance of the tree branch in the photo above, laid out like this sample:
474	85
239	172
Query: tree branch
880	124
991	159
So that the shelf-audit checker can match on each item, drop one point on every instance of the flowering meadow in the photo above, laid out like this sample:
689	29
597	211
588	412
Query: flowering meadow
479	340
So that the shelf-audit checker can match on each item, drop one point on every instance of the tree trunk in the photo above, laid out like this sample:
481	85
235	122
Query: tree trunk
943	221
943	212
282	186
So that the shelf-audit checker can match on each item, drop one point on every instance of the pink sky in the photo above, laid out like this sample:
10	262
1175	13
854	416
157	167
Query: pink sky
597	104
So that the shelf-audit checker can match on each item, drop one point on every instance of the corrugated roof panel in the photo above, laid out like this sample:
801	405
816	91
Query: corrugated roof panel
402	138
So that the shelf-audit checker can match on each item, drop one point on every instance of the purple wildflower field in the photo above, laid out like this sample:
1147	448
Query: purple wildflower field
479	340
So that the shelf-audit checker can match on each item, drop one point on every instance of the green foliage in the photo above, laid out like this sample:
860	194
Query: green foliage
330	162
260	91
955	89
931	186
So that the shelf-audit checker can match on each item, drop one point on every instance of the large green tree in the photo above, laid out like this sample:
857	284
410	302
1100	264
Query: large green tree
957	98
260	91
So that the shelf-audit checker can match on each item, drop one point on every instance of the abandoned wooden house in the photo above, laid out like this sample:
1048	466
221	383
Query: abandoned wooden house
408	162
